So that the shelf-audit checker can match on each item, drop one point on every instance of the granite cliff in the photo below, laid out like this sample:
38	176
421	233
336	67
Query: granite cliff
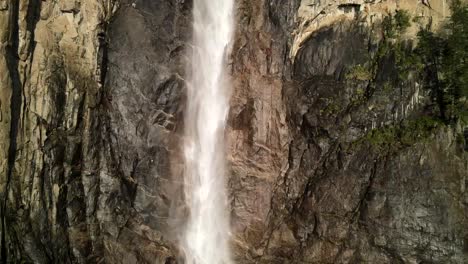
334	154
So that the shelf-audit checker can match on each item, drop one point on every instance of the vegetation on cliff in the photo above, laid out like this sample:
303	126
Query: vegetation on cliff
445	72
438	61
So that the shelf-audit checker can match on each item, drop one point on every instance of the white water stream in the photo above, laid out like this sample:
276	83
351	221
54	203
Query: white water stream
206	238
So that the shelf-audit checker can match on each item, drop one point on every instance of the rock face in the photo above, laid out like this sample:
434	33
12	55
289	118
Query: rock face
91	117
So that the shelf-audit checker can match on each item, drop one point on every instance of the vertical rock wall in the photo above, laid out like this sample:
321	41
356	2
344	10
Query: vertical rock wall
307	185
50	96
89	100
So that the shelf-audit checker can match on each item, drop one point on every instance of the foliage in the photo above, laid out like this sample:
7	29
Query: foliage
406	60
407	133
392	45
331	107
441	60
445	58
392	27
455	62
402	20
360	73
395	25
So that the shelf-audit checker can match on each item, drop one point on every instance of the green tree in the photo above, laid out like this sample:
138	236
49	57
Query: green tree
445	58
395	25
456	61
431	49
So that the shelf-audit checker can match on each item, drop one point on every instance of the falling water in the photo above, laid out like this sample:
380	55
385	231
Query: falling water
207	233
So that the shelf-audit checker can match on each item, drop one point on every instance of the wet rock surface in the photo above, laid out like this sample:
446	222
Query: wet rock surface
91	118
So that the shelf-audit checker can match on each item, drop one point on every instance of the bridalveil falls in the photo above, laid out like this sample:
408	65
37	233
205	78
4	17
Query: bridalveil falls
206	238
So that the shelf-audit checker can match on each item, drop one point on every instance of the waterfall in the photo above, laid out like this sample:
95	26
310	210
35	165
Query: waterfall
206	237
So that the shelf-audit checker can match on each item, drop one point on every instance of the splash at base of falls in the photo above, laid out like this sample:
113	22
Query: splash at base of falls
206	238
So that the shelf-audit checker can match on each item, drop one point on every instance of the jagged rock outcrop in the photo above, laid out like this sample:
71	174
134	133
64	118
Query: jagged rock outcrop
91	118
